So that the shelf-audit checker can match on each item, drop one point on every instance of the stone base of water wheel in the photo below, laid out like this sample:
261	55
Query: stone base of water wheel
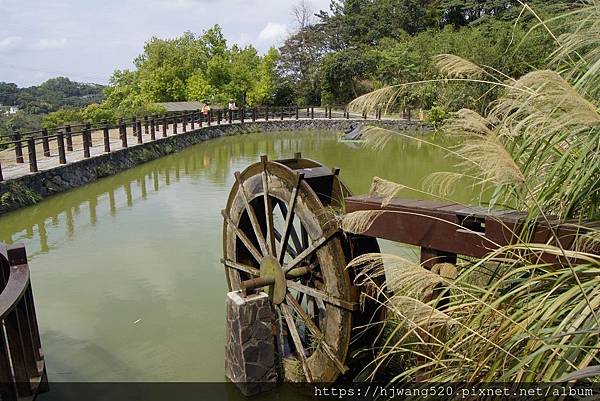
251	360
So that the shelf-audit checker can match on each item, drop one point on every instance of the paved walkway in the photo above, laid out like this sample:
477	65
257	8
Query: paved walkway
12	169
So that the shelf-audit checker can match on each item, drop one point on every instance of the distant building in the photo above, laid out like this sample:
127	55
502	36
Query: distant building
6	110
181	106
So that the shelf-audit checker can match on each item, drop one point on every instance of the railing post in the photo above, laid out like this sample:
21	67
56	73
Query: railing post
329	116
45	143
219	116
408	113
106	133
165	126
69	138
312	113
184	121
18	147
33	321
297	113
253	114
242	115
19	333
62	157
230	116
175	125
88	128
266	113
32	155
8	388
140	138
86	142
123	132
1	176
307	112
193	120
210	117
17	352
146	131
153	129
200	118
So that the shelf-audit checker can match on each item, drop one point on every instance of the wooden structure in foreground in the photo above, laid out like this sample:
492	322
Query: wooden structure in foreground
281	236
22	366
446	229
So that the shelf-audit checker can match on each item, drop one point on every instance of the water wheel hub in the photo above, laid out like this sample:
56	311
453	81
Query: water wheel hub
271	268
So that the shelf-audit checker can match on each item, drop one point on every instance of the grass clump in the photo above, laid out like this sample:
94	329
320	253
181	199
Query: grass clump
18	195
511	316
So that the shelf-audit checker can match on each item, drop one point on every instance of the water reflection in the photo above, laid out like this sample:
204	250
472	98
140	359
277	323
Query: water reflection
405	161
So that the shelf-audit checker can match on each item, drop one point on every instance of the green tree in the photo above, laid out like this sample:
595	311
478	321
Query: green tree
199	88
264	90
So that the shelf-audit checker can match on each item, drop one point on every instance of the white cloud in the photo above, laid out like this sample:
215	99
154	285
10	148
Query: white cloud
49	44
9	43
273	32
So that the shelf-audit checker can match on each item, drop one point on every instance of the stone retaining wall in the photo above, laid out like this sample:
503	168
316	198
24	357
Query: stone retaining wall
32	188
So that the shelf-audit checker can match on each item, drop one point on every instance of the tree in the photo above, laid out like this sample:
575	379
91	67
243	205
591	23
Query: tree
345	74
199	88
264	91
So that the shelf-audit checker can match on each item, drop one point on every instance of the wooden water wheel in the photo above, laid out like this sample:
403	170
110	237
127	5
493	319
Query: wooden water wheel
281	222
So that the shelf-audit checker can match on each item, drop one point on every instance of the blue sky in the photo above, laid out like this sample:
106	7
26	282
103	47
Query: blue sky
87	39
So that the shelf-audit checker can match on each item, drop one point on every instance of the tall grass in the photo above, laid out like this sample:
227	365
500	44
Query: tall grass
510	316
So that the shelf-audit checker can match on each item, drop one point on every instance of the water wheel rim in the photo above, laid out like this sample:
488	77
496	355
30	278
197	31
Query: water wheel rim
325	362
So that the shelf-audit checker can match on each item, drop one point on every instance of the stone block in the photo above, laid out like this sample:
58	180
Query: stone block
251	360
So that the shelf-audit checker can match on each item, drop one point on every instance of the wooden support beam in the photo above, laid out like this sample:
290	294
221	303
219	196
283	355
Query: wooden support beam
446	228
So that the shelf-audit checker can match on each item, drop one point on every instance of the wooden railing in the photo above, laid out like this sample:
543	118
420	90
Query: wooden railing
26	145
22	367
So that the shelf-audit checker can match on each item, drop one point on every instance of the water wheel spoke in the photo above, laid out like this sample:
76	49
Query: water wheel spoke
245	240
253	271
252	215
291	325
301	271
268	208
289	217
312	327
330	299
288	248
308	251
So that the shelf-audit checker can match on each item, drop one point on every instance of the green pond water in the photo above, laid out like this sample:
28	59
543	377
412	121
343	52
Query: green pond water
126	273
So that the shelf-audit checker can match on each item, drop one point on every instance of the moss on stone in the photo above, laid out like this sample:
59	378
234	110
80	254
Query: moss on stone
143	155
17	195
105	170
